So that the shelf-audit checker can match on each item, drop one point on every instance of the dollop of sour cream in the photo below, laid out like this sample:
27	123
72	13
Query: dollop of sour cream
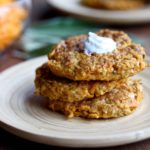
98	44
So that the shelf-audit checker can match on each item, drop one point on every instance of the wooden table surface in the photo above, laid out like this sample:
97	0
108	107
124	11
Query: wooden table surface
11	142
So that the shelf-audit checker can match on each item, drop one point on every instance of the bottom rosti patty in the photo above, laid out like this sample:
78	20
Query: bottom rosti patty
119	102
56	88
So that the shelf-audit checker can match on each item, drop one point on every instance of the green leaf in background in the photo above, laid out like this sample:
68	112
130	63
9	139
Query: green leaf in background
47	33
40	51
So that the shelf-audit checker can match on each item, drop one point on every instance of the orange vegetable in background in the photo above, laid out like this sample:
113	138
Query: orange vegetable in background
2	2
12	18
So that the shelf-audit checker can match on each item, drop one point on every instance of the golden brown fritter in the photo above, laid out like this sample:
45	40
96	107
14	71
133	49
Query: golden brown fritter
68	59
56	88
114	4
119	102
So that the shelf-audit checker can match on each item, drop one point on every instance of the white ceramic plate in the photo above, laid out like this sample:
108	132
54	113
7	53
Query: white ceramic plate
27	116
117	17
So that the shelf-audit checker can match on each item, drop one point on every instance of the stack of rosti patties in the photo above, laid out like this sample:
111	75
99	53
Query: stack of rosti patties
96	85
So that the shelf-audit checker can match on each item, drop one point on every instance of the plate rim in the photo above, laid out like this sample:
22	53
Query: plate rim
101	18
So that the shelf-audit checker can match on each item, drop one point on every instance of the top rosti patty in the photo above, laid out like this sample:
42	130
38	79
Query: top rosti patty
69	60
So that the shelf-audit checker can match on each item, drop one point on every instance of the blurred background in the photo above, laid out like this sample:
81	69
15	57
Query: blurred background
35	26
30	28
